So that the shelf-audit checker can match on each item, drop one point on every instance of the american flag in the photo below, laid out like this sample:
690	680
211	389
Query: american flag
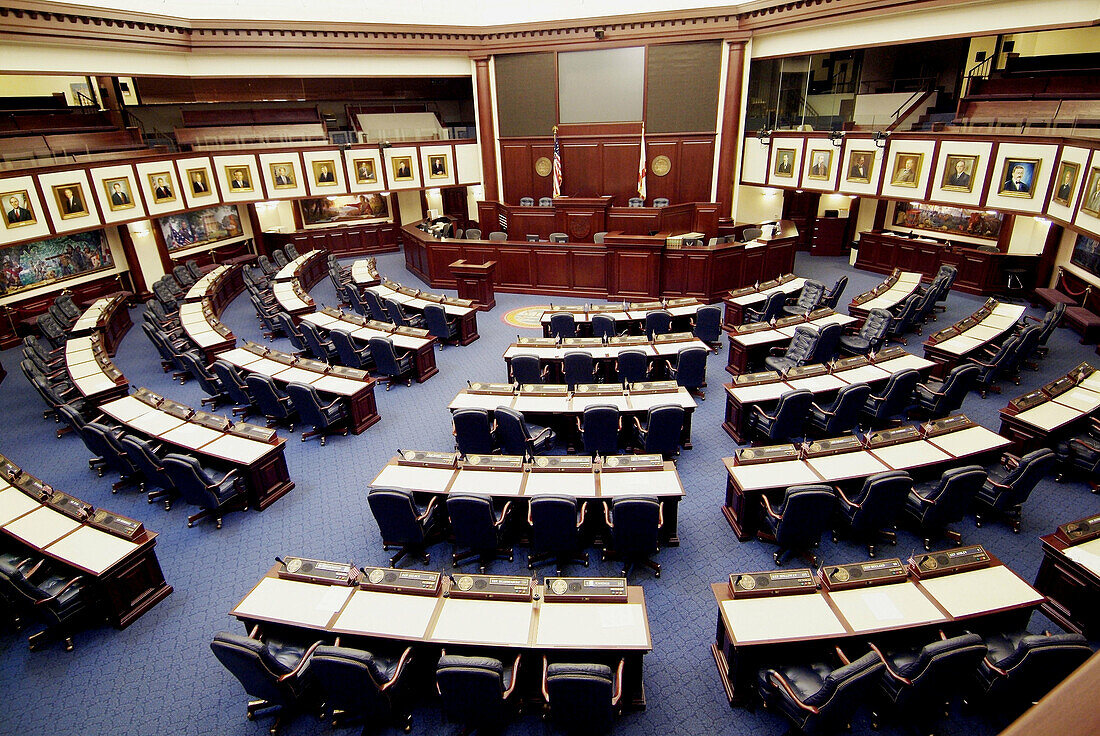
641	167
557	164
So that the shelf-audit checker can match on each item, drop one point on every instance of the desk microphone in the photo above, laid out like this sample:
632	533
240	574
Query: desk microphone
280	561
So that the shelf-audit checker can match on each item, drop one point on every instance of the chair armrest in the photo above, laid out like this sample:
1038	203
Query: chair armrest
584	510
975	361
841	655
404	660
303	663
515	678
607	515
785	686
929	501
428	511
331	404
768	508
823	411
847	500
545	668
761	412
503	513
60	590
578	423
777	351
235	473
995	668
1009	460
618	682
889	669
637	423
660	514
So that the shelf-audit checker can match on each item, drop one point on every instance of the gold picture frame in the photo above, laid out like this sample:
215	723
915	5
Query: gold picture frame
199	180
17	210
861	164
1091	202
162	186
437	166
324	173
365	172
240	178
1018	177
907	168
784	163
1065	185
956	179
282	175
71	201
402	168
821	164
120	195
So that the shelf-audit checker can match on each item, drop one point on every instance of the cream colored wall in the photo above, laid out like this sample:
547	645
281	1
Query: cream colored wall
758	204
409	202
1029	235
840	202
1047	43
38	85
988	44
117	255
1065	251
865	220
275	217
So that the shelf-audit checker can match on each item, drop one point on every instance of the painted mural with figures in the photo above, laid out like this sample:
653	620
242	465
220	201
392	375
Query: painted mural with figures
56	259
948	220
201	226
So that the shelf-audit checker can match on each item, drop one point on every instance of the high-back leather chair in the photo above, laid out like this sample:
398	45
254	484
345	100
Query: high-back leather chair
707	326
266	266
399	317
991	367
360	685
59	314
183	275
799	352
104	443
476	691
525	369
690	370
201	487
603	326
473	431
270	672
842	415
546	202
786	421
583	698
832	296
819	697
279	258
632	366
208	382
660	201
271	401
599	425
1080	455
526	201
808	299
1006	490
348	352
297	339
1049	324
662	430
374	305
903	320
472	233
895	399
516	437
403	523
65	302
635	202
556	522
1019	668
559	238
356	300
562	324
797	523
934	505
478	528
871	335
770	310
872	512
1025	351
578	367
938	399
51	329
635	523
498	236
658	322
436	322
389	364
828	343
324	418
150	469
291	251
63	602
321	347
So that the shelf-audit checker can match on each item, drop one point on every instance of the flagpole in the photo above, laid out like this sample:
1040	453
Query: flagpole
557	165
641	167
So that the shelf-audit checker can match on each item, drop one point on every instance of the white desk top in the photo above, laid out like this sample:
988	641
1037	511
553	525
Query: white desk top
190	435
619	401
640	483
773	475
885	606
42	527
478	621
817	384
298	375
910	455
864	374
805	616
545	404
902	362
846	465
492	482
960	344
596	625
339	385
92	549
387	614
1081	399
14	503
463	400
969	441
239	356
1049	415
413	478
293	602
126	408
978	591
581	485
644	402
758	296
1087	555
241	450
759	392
155	422
94	384
1092	383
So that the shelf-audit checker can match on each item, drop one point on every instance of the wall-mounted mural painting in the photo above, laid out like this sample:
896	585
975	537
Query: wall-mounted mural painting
948	220
57	259
342	209
188	229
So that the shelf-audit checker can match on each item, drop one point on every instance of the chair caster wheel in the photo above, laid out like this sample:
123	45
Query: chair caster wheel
190	524
218	524
657	574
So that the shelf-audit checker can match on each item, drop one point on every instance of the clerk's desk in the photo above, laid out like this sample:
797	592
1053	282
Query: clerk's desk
551	352
753	297
923	452
91	371
895	289
107	316
411	340
364	273
556	404
750	343
1055	410
353	387
989	325
823	379
120	566
587	631
255	451
415	300
508	477
629	316
1069	575
753	633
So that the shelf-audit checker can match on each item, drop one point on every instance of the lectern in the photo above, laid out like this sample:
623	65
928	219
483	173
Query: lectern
475	282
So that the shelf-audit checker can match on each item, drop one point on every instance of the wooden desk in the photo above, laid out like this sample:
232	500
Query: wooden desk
740	399
757	632
563	409
749	344
923	457
601	631
109	317
364	273
307	269
601	481
124	574
261	462
753	297
91	371
989	325
1069	576
415	300
354	388
1040	417
220	286
341	240
405	339
627	315
553	354
897	287
205	330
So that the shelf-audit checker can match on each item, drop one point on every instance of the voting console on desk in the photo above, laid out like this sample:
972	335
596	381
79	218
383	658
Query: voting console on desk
585	590
772	582
946	425
887	437
317	571
544	389
823	448
424	459
493	462
491	587
949	561
1082	530
769	454
562	463
491	389
863	574
390	580
627	463
652	387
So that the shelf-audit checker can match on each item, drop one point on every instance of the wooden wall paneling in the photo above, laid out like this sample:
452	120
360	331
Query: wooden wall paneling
582	169
513	267
590	269
551	267
633	220
667	186
693	168
519	168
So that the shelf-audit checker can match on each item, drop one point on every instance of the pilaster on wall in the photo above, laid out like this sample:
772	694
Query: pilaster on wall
729	141
486	131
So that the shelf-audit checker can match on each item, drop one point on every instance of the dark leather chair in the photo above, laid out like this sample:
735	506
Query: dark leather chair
349	353
266	266
635	524
476	691
632	366
871	335
156	314
52	330
809	298
546	202
526	201
896	398
1047	326
165	296
271	401
1019	668
583	698
799	352
658	322
374	306
60	316
578	367
324	418
516	437
796	525
1005	491
356	300
635	202
873	512
389	364
360	685
297	339
787	420
599	426
270	671
926	303
279	258
917	684
771	310
525	369
559	238
104	443
603	326
828	343
991	365
819	697
1081	455
150	470
902	321
563	324
1025	352
937	399
556	523
183	275
690	370
50	356
479	529
707	326
661	431
934	505
61	601
473	430
208	382
404	525
832	296
65	303
399	317
291	251
437	324
200	487
322	348
842	415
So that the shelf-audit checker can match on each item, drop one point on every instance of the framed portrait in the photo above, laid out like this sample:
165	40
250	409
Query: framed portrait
906	169
70	200
821	164
364	171
119	196
860	165
240	178
402	168
282	175
1018	177
1091	203
17	210
199	182
164	189
324	173
437	166
784	163
958	173
1066	183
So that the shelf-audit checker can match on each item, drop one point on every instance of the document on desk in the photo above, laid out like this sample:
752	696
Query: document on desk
1086	555
1048	416
786	617
885	606
593	625
83	370
413	478
14	503
969	441
387	614
980	591
474	621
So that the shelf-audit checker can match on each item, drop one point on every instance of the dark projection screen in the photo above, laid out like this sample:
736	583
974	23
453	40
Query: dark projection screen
682	87
526	86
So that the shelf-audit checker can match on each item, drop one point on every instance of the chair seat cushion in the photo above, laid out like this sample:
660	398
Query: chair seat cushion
854	344
794	309
804	679
600	671
283	656
778	363
67	600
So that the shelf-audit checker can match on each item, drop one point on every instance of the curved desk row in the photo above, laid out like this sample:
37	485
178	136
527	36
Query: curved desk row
405	339
750	343
202	327
551	352
92	371
114	553
364	273
753	297
355	388
107	316
630	316
416	300
219	287
988	325
895	289
1050	412
307	269
255	451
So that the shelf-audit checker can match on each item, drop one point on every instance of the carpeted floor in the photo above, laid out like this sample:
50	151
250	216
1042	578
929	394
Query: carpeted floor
159	677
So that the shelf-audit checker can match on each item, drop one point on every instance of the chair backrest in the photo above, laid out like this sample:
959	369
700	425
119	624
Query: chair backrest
904	319
385	358
526	201
183	275
875	326
231	382
553	524
525	369
512	432
603	326
472	689
691	366
660	201
579	368
266	395
842	691
956	385
658	322
598	237
308	404
849	401
708	324
581	697
193	267
473	521
803	344
279	258
395	512
71	417
397	315
633	366
316	344
559	238
59	314
208	382
790	414
635	202
880	500
546	202
349	680
1037	665
297	339
435	320
346	349
828	343
355	299
563	324
473	431
65	302
600	429
1022	479
265	265
811	295
952	496
832	297
374	304
1029	341
498	235
898	393
927	301
145	461
1051	321
252	664
102	443
664	425
1000	360
472	233
773	307
50	327
805	513
635	525
938	669
188	475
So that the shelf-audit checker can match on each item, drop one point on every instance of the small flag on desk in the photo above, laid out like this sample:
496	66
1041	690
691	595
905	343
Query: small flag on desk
641	167
557	164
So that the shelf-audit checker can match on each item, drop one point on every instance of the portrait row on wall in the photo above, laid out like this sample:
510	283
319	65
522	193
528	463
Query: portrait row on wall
34	264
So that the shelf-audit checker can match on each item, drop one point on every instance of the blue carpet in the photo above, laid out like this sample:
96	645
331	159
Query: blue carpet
159	677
